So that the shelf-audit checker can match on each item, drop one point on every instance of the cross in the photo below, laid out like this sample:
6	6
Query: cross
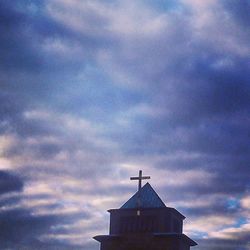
140	178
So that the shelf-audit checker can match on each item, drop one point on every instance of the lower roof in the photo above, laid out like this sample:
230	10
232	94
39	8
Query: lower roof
176	235
184	237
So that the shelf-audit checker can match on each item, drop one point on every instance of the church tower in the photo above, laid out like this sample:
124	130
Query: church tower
144	222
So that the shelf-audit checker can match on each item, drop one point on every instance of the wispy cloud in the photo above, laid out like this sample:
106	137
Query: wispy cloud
92	91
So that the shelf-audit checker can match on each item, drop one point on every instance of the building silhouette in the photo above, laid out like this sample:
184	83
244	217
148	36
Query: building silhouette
144	222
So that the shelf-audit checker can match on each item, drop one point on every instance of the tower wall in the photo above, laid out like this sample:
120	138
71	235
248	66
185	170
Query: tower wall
159	220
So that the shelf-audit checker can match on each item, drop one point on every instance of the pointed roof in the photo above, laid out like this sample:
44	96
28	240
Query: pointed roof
148	197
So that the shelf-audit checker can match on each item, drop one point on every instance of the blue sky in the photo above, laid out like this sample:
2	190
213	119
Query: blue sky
93	91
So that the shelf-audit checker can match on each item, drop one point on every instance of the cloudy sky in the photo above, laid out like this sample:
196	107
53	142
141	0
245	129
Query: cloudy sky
94	90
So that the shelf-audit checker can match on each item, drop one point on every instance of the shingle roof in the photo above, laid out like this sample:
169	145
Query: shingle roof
149	199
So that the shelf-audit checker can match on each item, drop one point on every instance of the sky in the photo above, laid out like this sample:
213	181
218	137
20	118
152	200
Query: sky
92	91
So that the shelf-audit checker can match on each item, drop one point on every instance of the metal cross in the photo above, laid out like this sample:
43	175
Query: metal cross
140	178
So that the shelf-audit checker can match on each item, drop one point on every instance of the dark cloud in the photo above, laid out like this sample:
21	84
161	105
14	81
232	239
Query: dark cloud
19	226
9	182
239	10
20	229
17	48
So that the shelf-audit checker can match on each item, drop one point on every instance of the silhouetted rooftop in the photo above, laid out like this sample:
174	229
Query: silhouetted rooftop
148	199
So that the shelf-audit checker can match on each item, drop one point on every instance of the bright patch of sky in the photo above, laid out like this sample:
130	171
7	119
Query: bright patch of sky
165	5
